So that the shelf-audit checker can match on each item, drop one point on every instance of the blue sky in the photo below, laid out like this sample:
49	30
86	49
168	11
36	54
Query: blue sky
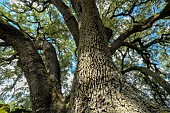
3	0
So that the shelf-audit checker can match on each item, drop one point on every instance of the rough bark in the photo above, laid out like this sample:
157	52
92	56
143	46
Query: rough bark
32	66
52	64
53	69
98	86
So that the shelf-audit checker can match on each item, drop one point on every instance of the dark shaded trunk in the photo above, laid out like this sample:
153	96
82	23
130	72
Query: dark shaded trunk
52	65
53	69
32	65
43	80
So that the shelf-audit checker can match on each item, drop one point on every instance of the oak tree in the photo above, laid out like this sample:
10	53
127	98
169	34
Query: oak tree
119	47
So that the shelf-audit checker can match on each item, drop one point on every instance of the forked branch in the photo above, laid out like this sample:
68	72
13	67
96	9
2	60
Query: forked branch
141	26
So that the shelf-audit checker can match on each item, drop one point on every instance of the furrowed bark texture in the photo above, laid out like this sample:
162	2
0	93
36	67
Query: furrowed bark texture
53	68
98	87
52	64
32	65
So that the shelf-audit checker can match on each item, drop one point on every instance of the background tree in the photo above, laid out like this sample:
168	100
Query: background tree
132	34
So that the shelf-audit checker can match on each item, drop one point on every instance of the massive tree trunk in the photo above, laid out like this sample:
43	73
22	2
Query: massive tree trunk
98	86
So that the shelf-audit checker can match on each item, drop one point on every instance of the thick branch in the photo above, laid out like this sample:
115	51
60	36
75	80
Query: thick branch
32	65
52	64
53	68
164	84
69	19
141	26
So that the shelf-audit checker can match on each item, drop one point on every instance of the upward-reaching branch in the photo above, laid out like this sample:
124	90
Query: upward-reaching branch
53	69
69	19
32	66
52	64
141	26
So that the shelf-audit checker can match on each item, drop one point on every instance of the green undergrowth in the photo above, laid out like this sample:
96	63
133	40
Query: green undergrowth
5	108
